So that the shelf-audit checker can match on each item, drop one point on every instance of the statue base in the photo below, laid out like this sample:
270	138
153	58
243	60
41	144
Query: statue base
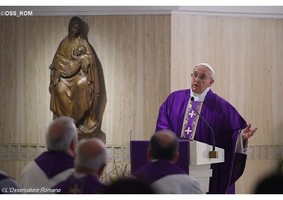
97	134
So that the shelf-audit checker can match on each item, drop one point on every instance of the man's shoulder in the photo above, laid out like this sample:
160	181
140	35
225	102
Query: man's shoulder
3	175
144	168
85	183
184	177
30	170
30	166
219	101
179	94
68	179
183	91
179	183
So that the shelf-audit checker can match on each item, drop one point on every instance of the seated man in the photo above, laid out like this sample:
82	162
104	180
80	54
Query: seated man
161	172
90	161
8	184
271	183
57	163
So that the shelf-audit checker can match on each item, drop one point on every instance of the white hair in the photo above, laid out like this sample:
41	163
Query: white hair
94	162
61	132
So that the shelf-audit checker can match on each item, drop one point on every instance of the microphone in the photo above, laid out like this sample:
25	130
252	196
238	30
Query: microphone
213	153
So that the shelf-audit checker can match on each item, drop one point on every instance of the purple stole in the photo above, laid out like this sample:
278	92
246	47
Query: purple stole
191	120
53	163
85	185
154	170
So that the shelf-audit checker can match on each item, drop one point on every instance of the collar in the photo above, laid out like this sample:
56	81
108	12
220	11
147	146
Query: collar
200	97
78	175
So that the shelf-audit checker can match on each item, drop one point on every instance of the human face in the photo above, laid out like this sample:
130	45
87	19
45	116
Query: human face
201	79
74	30
79	51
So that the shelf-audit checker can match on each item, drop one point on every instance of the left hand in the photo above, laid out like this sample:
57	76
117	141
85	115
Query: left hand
248	132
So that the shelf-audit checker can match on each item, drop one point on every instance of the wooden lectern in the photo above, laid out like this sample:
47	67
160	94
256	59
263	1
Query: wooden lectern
193	159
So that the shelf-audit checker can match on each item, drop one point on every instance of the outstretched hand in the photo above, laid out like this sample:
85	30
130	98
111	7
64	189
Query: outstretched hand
248	132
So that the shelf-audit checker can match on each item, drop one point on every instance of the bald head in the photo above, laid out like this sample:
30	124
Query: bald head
91	156
164	145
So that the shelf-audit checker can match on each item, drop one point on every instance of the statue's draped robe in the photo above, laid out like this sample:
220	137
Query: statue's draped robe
73	90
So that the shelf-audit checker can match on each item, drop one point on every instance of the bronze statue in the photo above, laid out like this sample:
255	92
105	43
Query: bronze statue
74	81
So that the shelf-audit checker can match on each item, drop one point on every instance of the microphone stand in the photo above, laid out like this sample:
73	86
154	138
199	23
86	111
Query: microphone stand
213	153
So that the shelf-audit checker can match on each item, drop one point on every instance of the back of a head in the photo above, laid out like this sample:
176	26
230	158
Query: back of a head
129	185
271	184
61	133
163	145
91	155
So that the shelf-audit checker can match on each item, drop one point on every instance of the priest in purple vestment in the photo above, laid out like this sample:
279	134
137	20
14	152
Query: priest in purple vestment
180	113
161	173
90	161
55	164
8	185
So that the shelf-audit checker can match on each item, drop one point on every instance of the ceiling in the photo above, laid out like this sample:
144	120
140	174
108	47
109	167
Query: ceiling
257	11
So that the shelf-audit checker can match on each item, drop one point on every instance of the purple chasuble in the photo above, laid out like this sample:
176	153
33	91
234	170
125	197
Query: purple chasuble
152	171
226	123
53	163
85	185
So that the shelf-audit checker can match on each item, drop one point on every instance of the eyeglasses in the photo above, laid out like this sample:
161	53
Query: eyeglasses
202	77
